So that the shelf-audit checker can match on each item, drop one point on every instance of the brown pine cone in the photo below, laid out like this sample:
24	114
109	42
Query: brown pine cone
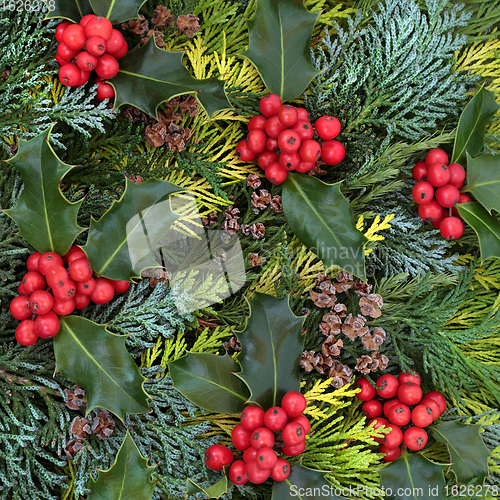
162	17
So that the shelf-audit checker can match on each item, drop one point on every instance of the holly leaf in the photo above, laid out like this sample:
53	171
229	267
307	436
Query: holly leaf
413	477
472	125
280	35
215	491
73	10
271	349
483	180
122	242
46	219
486	226
304	483
468	453
117	11
323	220
129	478
99	362
208	381
149	76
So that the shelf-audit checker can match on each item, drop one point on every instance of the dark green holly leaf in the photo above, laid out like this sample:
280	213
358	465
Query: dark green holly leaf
46	219
280	34
208	381
483	180
117	11
271	348
214	491
129	478
413	477
468	453
121	243
472	125
486	226
99	362
73	10
149	76
304	483
323	220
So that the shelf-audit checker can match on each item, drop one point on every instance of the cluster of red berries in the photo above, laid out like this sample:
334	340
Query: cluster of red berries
437	193
92	44
255	437
49	290
281	139
409	405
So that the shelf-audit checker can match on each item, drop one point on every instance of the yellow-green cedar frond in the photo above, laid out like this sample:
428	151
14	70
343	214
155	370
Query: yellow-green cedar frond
223	421
209	340
173	349
328	13
149	356
371	232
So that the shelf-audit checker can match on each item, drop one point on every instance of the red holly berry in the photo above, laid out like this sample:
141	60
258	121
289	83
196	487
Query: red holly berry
281	470
275	418
272	145
269	105
287	115
305	166
262	437
99	26
81	300
409	393
63	308
367	390
422	415
60	30
276	173
332	152
86	61
266	158
389	386
257	122
391	454
252	417
46	325
378	422
422	192
293	451
310	151
241	437
415	438
95	45
115	42
394	437
436	156
250	454
105	91
76	254
462	199
217	456
256	475
303	421
304	129
33	281
65	53
438	174
56	276
237	472
289	141
103	291
413	377
293	434
32	262
389	404
451	228
274	127
457	175
430	211
85	19
69	75
243	152
107	66
327	127
293	403
41	302
399	414
419	171
65	292
74	37
447	195
120	286
80	270
123	52
25	333
372	408
303	115
256	141
436	411
19	307
290	161
438	398
266	458
86	287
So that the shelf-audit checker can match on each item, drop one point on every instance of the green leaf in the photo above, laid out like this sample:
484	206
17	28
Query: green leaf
46	219
486	226
280	34
117	11
305	484
472	125
99	362
129	478
323	220
208	381
214	491
271	348
483	180
468	453
121	243
73	10
413	477
149	76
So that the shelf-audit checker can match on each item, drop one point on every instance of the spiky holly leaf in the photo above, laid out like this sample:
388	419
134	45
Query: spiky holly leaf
208	381
472	125
117	11
271	348
322	219
129	478
72	10
468	453
99	362
215	491
46	219
149	76
486	226
413	477
483	180
304	483
280	34
122	242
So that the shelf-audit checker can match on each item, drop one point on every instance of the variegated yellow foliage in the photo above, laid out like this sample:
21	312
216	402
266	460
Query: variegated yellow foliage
372	231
